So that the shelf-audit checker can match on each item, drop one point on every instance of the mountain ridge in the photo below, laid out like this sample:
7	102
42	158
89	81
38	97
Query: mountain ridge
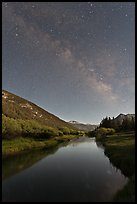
122	116
16	107
83	126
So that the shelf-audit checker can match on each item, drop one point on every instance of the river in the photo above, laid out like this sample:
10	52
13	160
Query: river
76	172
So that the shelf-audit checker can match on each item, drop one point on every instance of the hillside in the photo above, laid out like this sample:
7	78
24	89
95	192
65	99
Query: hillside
122	117
81	126
16	107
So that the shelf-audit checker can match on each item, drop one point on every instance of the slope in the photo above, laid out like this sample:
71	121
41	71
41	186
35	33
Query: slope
17	107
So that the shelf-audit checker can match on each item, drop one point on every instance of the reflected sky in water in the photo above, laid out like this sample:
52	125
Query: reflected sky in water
78	172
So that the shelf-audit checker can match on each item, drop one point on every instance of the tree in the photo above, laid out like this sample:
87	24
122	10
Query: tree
106	122
133	123
128	124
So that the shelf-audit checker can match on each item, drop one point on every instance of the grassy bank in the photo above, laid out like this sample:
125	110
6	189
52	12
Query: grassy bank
14	146
120	149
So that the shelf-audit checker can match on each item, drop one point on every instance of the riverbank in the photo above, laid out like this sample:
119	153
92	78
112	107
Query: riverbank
14	146
120	149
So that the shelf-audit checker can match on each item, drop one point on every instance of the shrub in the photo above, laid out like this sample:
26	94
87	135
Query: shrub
10	127
27	128
50	132
60	133
73	132
102	132
65	130
80	132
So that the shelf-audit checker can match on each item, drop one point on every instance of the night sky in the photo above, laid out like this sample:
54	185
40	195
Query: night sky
74	59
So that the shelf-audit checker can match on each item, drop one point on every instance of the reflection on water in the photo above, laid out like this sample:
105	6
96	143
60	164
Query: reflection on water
14	164
78	172
99	144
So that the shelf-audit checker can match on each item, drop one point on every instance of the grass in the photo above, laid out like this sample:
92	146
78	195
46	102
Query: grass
120	149
14	146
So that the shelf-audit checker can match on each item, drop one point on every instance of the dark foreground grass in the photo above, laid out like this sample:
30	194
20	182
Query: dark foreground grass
14	146
120	149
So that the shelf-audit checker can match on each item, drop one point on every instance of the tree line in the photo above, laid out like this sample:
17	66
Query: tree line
128	124
109	126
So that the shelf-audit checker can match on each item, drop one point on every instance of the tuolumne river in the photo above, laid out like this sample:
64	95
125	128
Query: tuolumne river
77	172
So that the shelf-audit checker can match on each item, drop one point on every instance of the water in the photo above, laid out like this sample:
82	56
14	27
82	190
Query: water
78	172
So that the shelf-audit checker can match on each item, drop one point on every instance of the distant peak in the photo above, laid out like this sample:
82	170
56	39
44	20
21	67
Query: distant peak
121	114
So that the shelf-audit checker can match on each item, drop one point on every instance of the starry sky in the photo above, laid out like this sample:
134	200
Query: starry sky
74	59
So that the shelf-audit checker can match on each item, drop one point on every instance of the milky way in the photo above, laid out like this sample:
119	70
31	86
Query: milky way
74	59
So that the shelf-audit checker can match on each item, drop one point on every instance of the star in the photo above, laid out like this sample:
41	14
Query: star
51	30
60	35
58	54
125	49
91	12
